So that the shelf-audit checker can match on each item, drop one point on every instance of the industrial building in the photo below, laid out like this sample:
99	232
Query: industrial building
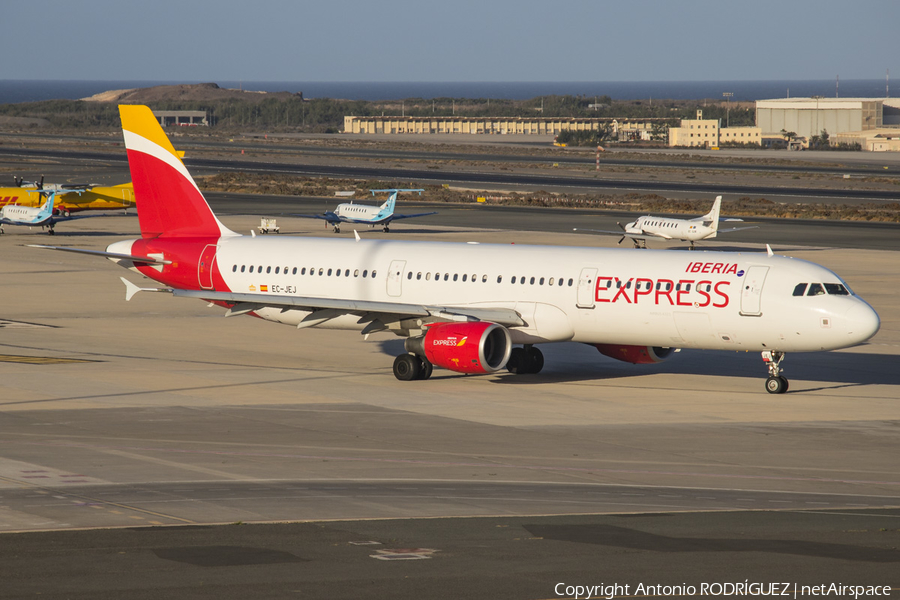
637	129
708	133
184	118
874	123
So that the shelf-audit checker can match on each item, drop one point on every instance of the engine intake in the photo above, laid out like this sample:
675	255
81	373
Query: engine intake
478	347
638	355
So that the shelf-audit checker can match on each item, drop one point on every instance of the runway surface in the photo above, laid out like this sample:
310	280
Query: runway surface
158	412
484	177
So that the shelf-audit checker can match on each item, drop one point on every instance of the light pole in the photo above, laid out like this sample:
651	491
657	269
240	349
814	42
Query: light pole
817	114
727	96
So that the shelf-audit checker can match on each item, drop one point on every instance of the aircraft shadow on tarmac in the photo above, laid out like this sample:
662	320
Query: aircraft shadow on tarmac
633	539
573	362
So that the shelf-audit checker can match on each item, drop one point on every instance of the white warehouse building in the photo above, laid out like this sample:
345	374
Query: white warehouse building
809	116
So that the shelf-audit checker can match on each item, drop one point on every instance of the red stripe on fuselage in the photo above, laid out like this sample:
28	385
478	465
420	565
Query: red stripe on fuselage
185	256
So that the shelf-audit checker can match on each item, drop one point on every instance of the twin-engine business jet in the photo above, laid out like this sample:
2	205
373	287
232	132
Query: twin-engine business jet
366	214
668	228
477	308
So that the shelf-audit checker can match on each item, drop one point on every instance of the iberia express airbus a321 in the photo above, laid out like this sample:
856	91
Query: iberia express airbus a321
477	308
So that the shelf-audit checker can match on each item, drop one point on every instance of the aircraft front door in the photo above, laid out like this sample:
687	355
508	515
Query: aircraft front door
395	278
205	267
586	287
751	292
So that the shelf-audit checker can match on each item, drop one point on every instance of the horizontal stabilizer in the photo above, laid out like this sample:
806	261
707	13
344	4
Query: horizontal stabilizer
132	289
138	259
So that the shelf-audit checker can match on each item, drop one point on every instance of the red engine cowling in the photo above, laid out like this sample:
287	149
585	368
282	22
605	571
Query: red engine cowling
478	347
638	355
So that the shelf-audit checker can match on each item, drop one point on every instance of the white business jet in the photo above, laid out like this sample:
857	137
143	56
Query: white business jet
668	228
366	214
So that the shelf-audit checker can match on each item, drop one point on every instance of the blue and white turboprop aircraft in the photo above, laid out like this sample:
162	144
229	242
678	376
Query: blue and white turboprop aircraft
367	214
43	216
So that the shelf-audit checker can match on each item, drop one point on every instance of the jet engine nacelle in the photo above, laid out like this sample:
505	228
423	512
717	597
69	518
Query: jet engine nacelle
477	347
638	355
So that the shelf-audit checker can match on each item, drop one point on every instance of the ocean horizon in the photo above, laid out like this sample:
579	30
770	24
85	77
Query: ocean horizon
16	91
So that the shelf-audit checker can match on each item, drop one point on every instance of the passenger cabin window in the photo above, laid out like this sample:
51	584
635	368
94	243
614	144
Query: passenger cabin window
800	289
815	289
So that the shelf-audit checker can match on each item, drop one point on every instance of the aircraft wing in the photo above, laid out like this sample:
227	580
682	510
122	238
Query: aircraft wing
112	213
626	234
396	216
328	216
738	228
323	309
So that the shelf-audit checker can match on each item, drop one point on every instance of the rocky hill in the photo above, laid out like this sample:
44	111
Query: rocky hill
197	92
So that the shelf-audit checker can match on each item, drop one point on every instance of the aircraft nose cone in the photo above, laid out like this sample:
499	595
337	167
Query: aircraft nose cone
862	322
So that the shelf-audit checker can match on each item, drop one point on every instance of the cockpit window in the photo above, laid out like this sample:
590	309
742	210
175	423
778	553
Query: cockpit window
815	289
800	289
836	289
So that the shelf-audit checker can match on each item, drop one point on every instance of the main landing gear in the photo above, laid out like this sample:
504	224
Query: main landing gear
525	361
409	366
337	228
776	383
386	229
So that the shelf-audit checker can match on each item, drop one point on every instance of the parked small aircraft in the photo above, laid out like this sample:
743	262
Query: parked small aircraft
70	198
367	214
44	216
668	228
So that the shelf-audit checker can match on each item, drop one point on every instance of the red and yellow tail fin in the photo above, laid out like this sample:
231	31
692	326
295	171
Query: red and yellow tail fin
168	200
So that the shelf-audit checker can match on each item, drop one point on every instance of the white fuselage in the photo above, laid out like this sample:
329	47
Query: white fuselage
713	300
677	229
359	213
24	215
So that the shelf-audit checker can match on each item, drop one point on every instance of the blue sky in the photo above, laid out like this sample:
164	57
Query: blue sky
462	40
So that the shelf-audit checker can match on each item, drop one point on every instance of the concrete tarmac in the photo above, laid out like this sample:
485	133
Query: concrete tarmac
159	412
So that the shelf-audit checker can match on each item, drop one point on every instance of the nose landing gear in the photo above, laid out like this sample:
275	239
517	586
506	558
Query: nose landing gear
776	383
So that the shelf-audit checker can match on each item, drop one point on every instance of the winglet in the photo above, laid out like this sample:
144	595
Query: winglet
769	250
356	235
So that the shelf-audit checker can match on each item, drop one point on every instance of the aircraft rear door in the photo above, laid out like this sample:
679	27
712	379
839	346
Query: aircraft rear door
205	267
586	288
751	292
395	278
